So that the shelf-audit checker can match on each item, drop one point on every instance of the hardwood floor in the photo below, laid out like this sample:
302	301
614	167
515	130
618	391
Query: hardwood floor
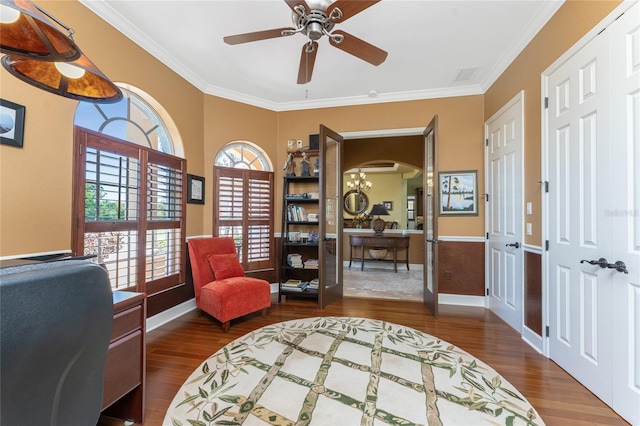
176	349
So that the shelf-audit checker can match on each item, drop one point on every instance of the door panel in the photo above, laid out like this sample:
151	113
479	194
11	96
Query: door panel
505	277
430	227
625	211
330	288
580	313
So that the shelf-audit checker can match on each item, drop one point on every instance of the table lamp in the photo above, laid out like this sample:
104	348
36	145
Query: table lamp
378	224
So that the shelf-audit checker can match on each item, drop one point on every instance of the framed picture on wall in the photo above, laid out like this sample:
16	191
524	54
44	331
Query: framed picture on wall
11	123
388	205
458	193
195	189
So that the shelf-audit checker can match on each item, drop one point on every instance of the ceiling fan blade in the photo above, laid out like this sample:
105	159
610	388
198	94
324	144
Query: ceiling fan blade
307	60
359	48
350	7
258	35
293	3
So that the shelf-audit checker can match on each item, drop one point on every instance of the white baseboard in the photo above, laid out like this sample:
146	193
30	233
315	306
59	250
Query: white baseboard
532	338
170	314
461	299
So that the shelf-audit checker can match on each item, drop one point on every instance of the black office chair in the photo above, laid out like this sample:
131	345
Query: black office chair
55	328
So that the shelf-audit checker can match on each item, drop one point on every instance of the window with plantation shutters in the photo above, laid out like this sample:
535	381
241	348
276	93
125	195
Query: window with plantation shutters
244	210
129	211
243	190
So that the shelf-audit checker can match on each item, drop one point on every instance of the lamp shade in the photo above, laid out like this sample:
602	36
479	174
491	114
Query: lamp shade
379	209
91	86
27	32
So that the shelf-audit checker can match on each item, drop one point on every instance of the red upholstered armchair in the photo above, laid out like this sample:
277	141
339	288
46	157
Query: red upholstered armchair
222	289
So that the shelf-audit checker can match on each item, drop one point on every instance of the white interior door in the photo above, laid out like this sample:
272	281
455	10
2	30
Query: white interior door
579	177
504	133
624	211
593	221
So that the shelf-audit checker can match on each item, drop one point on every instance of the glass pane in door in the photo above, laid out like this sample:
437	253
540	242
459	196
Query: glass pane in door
330	273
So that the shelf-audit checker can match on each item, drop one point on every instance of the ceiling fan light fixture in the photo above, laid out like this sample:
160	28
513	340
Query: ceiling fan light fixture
88	84
315	18
314	30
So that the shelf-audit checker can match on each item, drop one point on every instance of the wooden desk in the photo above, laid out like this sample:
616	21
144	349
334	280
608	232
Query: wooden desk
124	375
382	241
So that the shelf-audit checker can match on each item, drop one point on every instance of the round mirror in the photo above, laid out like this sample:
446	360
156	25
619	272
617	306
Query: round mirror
355	202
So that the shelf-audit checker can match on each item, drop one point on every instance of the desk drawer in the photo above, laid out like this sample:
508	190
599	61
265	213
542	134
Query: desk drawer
127	321
123	369
380	242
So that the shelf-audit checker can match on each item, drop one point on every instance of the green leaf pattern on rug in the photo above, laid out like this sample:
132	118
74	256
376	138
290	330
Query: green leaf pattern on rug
207	397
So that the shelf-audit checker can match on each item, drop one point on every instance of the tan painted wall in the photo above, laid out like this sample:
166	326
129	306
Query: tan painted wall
460	131
227	121
572	21
35	181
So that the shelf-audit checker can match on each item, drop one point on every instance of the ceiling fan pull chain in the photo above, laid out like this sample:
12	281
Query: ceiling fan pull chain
306	69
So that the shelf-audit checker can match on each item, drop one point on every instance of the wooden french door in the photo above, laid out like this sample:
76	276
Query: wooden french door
330	251
430	209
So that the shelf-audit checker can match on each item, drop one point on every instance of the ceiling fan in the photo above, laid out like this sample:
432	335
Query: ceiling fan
315	18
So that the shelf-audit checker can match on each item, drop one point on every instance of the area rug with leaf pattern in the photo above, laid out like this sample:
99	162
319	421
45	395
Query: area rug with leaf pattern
346	371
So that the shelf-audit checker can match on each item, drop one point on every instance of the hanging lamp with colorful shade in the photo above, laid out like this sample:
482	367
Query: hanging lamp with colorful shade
41	55
28	31
80	80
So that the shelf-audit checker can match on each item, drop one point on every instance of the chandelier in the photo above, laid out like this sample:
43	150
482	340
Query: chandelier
359	183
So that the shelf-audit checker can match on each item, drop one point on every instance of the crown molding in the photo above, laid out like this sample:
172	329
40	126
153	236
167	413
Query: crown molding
103	10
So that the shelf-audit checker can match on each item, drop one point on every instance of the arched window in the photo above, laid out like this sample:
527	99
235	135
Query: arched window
132	119
243	190
128	199
243	155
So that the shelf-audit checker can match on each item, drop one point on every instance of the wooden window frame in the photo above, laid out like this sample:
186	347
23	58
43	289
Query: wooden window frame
242	218
142	224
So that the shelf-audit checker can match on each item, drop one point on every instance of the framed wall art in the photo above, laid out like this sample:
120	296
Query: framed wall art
388	205
195	189
11	123
458	193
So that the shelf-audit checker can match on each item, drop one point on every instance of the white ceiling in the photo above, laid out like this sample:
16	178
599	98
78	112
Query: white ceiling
429	43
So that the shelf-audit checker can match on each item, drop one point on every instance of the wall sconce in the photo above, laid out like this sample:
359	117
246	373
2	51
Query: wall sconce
41	55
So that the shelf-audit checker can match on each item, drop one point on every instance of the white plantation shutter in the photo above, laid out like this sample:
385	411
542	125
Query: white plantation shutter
244	210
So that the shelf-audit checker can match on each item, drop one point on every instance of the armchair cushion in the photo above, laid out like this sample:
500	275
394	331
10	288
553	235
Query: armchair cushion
225	266
233	297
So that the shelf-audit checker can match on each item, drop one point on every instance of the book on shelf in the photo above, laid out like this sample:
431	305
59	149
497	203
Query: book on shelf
294	285
297	213
295	260
313	284
311	264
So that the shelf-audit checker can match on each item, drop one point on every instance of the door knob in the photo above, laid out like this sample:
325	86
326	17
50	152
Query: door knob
434	241
602	262
618	266
516	245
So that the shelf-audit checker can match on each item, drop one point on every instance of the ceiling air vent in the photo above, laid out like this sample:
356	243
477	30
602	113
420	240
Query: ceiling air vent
465	74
